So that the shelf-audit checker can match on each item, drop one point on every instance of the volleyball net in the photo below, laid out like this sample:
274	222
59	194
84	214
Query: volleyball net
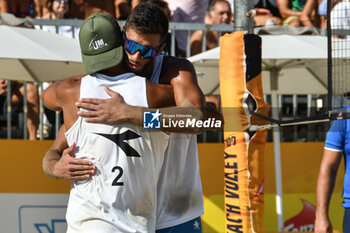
338	64
337	99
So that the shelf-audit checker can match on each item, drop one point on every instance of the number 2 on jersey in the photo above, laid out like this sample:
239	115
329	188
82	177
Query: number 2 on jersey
115	181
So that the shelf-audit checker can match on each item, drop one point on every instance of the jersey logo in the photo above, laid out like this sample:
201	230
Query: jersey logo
120	139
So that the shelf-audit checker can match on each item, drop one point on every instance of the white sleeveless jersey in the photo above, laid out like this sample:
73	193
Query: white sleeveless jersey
180	195
122	196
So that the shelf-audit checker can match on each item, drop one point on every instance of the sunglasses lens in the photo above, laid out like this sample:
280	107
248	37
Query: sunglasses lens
132	47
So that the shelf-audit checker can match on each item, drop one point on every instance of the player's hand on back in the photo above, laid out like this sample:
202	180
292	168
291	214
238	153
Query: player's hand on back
71	168
108	111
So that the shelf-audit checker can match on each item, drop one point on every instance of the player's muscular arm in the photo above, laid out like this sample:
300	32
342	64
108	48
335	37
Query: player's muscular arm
181	74
160	95
325	184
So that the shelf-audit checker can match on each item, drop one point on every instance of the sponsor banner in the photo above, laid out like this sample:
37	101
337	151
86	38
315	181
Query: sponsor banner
300	168
33	213
241	95
24	184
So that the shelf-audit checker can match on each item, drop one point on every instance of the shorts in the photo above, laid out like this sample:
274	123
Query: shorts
346	220
192	226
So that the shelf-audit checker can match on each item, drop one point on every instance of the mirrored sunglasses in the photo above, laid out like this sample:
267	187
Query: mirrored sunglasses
132	47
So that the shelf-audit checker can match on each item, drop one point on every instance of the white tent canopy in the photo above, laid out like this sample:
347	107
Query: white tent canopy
35	55
302	61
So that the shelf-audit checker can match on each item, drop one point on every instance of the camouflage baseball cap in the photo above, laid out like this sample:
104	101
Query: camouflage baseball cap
101	42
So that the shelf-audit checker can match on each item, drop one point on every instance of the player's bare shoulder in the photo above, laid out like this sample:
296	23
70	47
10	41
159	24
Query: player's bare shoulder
61	92
70	84
173	66
68	90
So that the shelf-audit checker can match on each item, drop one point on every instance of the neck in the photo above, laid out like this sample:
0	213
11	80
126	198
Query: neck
113	71
148	70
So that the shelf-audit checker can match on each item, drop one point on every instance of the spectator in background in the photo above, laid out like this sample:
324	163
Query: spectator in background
17	93
21	8
120	9
219	13
322	11
190	11
298	12
124	7
82	9
17	88
57	9
267	13
340	17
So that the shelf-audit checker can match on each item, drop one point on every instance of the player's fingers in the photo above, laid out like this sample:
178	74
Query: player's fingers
82	162
82	172
88	106
90	101
70	150
82	168
87	114
81	177
111	93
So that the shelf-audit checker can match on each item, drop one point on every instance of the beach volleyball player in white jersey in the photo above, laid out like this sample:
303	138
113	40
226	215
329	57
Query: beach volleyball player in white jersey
180	200
122	195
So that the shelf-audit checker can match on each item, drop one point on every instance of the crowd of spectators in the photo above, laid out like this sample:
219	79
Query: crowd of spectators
301	13
307	13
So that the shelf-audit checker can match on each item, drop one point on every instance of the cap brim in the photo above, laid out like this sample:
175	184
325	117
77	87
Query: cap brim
96	63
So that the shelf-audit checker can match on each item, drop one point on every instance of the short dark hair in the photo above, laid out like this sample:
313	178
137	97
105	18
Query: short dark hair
149	19
162	4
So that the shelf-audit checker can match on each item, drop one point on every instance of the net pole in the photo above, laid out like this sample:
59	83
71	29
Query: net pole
277	149
243	17
329	57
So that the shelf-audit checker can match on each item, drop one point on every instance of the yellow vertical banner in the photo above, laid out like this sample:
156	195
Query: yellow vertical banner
241	96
